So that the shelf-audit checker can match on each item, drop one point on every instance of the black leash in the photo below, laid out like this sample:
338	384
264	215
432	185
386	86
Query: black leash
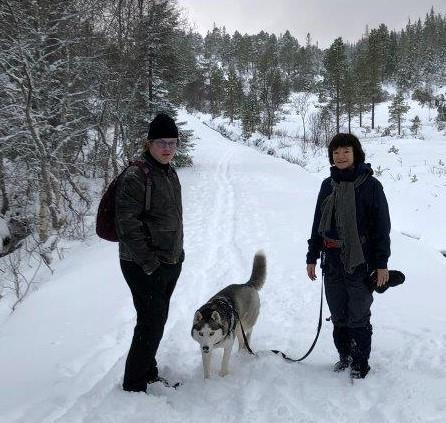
283	355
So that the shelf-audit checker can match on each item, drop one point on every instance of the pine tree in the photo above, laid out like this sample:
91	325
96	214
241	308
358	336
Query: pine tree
373	71
359	76
334	76
397	110
272	89
288	56
233	95
192	90
212	44
416	125
409	65
149	68
216	90
392	57
350	95
250	110
309	66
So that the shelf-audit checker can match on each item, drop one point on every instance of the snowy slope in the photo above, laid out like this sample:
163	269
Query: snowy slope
62	353
412	168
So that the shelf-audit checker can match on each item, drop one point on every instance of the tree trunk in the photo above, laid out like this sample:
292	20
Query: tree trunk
349	121
5	199
337	110
43	223
150	87
114	151
47	207
373	114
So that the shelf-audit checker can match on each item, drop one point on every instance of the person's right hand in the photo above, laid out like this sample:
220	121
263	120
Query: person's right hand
311	271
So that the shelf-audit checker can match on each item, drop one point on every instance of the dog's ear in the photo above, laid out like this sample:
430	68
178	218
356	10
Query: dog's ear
215	316
198	316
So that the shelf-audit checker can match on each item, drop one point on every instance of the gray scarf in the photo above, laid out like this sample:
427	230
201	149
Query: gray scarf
342	202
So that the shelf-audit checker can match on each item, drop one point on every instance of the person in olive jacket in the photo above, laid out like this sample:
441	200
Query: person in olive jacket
149	223
351	229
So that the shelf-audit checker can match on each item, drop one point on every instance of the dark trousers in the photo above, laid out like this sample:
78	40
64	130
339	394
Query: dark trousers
151	296
349	300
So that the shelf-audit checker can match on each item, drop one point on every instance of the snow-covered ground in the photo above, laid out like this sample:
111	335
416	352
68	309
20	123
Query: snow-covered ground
412	168
62	352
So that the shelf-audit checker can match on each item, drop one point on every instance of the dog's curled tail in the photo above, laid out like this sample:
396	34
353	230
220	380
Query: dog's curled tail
258	274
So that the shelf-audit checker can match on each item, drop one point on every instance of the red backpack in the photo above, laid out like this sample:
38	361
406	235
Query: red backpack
105	219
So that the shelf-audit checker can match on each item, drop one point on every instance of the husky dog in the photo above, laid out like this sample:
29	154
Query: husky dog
217	323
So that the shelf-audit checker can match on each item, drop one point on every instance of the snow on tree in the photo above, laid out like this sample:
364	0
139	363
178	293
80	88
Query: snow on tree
397	110
416	125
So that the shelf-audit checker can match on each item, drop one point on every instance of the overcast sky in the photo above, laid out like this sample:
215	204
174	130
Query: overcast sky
325	20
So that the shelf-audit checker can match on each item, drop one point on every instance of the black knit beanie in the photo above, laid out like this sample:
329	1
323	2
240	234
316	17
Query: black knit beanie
162	126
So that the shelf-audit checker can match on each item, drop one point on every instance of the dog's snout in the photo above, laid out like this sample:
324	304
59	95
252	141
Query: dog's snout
205	349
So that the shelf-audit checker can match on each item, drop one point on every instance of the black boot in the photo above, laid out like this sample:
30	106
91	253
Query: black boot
362	341
342	364
359	369
165	382
342	341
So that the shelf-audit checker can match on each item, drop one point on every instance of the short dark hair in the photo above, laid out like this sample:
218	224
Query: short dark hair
346	140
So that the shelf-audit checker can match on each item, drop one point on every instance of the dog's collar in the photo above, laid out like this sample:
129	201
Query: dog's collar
231	314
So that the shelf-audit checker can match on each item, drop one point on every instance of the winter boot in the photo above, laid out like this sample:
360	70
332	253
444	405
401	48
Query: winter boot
359	369
342	341
342	364
362	342
165	382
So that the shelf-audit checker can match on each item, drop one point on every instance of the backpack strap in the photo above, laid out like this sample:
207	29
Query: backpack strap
147	172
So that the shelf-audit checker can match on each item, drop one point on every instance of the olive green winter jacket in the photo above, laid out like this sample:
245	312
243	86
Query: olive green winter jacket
150	230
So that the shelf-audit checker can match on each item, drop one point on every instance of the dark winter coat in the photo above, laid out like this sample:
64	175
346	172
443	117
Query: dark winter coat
372	217
153	236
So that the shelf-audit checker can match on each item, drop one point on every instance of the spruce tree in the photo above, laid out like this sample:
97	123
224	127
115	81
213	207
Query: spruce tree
288	55
350	95
373	71
397	110
272	88
359	70
233	95
250	110
216	90
335	63
416	125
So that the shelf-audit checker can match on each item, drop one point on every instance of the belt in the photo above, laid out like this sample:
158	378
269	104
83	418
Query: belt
337	243
332	243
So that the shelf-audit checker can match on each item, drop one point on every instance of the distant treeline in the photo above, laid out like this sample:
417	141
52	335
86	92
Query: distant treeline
249	77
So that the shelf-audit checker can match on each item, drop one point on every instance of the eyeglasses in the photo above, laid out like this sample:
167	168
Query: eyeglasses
166	144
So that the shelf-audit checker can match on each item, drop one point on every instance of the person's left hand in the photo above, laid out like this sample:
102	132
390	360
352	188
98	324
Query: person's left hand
382	277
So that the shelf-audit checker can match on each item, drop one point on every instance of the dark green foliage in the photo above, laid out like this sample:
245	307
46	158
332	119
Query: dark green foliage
335	63
233	95
397	110
250	76
416	125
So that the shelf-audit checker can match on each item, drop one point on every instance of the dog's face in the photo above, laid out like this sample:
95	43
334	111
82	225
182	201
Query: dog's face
208	331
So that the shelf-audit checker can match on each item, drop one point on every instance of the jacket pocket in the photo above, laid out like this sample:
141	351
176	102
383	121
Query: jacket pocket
163	239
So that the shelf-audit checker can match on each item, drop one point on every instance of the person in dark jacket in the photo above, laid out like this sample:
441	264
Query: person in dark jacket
351	229
149	223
